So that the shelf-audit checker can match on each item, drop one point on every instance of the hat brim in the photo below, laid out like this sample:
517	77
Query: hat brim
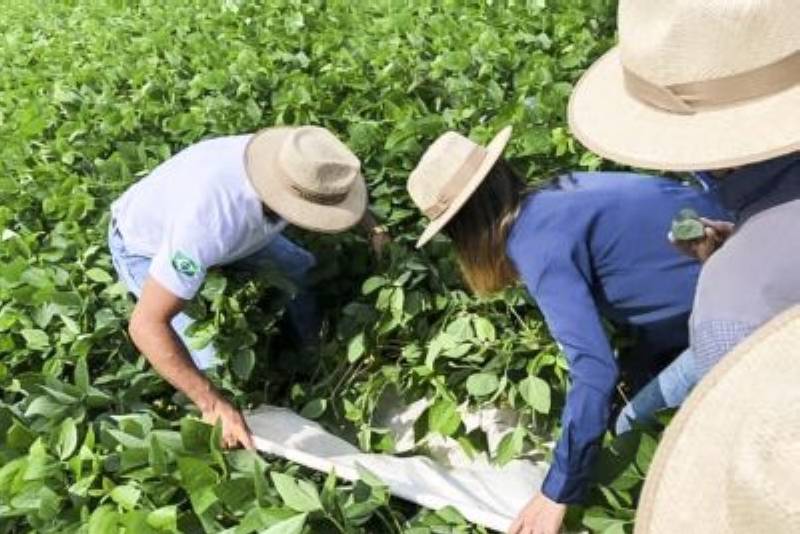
685	489
271	184
493	152
613	124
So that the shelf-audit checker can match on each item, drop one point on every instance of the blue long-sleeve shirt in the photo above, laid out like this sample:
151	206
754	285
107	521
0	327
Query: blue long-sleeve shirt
595	246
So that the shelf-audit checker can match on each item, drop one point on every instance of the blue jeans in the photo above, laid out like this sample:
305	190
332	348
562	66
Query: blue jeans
293	261
667	390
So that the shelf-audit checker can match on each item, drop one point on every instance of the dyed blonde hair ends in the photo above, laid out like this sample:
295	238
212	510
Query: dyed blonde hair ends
480	230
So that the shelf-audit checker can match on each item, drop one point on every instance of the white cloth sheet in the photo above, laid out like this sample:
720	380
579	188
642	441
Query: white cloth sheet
484	494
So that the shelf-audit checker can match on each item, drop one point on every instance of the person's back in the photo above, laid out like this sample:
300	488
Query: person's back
623	219
203	192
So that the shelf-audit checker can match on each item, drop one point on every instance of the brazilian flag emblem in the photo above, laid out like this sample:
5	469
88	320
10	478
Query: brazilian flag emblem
185	265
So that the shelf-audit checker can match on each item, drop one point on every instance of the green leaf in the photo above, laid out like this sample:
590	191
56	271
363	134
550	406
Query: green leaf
196	474
510	446
243	363
328	496
482	384
59	395
98	275
314	408
82	375
598	519
645	452
195	434
67	438
136	521
451	516
127	440
236	493
616	528
536	392
258	519
103	520
372	284
369	478
484	329
36	339
19	437
164	518
293	525
460	330
126	496
443	417
355	348
43	405
397	302
157	456
300	496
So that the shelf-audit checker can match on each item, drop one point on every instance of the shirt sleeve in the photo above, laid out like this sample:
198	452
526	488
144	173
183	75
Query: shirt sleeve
557	275
188	249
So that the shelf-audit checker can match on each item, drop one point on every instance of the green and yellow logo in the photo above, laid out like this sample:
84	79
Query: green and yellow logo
185	265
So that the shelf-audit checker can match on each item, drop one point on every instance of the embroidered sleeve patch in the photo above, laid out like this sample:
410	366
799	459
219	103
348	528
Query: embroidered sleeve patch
185	265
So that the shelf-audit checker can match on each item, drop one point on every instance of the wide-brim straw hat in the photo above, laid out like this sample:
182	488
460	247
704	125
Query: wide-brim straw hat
308	177
729	463
448	174
694	85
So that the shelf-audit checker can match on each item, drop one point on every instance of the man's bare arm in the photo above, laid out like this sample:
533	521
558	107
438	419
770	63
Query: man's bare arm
151	332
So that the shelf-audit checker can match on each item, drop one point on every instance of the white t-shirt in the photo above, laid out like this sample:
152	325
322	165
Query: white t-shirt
194	211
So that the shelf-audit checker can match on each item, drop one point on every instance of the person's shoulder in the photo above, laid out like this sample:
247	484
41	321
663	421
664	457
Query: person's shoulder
220	150
543	221
599	180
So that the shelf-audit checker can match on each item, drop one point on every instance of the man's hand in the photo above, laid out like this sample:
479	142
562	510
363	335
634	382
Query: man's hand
378	235
379	239
234	427
716	233
540	516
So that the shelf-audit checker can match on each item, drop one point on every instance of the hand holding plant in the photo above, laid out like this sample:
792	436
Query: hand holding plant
234	427
701	248
379	239
377	234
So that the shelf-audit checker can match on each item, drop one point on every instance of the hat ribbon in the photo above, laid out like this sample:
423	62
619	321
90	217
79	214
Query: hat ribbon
456	183
325	199
315	196
689	98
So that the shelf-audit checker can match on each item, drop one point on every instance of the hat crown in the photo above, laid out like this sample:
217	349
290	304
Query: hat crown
447	159
318	165
683	41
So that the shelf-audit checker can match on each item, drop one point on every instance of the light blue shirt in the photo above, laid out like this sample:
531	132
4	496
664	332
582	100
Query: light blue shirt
195	211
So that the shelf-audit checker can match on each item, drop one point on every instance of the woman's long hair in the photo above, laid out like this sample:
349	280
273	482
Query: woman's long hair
481	227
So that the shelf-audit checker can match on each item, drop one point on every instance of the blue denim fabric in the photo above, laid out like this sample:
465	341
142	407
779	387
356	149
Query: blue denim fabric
292	260
668	390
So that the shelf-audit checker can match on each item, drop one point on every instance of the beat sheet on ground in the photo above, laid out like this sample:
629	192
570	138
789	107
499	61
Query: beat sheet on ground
484	494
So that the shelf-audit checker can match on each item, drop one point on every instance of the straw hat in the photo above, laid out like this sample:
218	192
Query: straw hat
694	85
308	177
729	463
449	172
